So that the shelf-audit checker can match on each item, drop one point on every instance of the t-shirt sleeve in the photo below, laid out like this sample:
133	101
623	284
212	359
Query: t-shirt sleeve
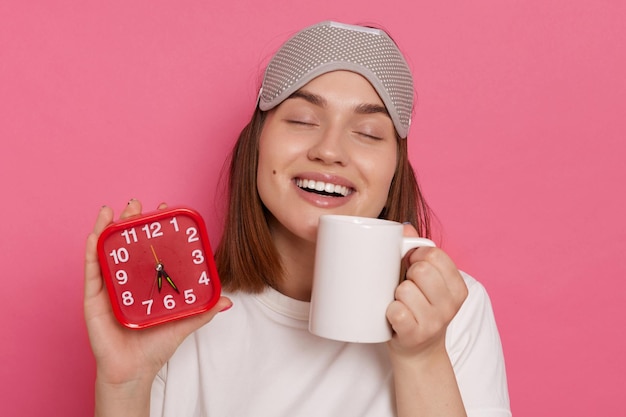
475	350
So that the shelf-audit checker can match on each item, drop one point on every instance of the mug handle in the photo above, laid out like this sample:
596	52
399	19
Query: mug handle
409	243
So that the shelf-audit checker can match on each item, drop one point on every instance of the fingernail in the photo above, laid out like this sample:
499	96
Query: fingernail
406	223
130	201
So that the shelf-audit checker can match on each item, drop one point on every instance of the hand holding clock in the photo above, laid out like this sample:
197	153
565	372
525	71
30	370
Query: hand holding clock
128	360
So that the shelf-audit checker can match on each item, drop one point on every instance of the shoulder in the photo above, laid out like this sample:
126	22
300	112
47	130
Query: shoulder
477	297
474	324
475	350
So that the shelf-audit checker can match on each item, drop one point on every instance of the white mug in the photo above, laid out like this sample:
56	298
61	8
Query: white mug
357	270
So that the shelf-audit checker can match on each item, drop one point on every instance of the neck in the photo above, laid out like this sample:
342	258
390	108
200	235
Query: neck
298	258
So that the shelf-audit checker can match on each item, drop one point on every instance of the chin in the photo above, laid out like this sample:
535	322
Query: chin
310	232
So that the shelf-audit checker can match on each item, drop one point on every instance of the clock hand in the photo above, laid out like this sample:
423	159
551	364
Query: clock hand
161	273
156	258
159	268
168	279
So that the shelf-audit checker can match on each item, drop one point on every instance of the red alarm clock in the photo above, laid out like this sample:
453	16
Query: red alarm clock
158	267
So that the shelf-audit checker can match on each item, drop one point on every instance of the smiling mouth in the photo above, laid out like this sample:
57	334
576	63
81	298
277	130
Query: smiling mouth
324	188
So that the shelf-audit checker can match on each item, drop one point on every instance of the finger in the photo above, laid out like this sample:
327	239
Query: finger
426	280
409	294
438	259
443	294
408	310
430	308
436	277
133	208
93	280
105	217
410	331
402	320
414	318
408	230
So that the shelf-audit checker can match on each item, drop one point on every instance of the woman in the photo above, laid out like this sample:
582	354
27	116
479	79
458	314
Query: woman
328	136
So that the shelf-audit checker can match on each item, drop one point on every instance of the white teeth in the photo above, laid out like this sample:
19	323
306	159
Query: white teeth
324	186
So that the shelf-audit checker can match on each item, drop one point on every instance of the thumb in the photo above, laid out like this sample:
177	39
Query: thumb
409	230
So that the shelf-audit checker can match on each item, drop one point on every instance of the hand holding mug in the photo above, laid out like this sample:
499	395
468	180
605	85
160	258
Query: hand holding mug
426	301
357	270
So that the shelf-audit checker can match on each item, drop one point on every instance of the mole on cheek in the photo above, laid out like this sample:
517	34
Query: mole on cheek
274	171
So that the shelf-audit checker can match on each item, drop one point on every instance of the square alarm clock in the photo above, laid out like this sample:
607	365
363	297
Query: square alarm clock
158	267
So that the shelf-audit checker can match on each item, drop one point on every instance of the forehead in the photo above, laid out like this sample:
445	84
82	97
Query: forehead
343	87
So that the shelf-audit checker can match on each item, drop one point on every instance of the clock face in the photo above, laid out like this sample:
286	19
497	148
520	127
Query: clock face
158	267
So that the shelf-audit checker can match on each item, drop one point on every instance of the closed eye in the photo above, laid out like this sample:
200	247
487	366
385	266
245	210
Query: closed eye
368	136
300	122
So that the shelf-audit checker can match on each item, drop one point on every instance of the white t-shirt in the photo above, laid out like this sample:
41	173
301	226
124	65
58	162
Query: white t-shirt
258	359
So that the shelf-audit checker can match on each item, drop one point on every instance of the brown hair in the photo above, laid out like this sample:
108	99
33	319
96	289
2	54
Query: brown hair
246	257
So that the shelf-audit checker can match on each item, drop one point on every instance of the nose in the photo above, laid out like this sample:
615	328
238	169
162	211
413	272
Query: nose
329	148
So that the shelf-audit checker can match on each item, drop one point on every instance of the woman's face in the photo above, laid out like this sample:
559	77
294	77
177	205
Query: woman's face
328	149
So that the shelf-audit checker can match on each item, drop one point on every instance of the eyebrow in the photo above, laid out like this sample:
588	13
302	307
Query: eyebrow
310	97
317	100
371	109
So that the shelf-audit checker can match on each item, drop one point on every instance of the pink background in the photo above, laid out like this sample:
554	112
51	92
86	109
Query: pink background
518	140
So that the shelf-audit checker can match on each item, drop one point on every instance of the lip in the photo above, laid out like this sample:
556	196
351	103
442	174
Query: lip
323	200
